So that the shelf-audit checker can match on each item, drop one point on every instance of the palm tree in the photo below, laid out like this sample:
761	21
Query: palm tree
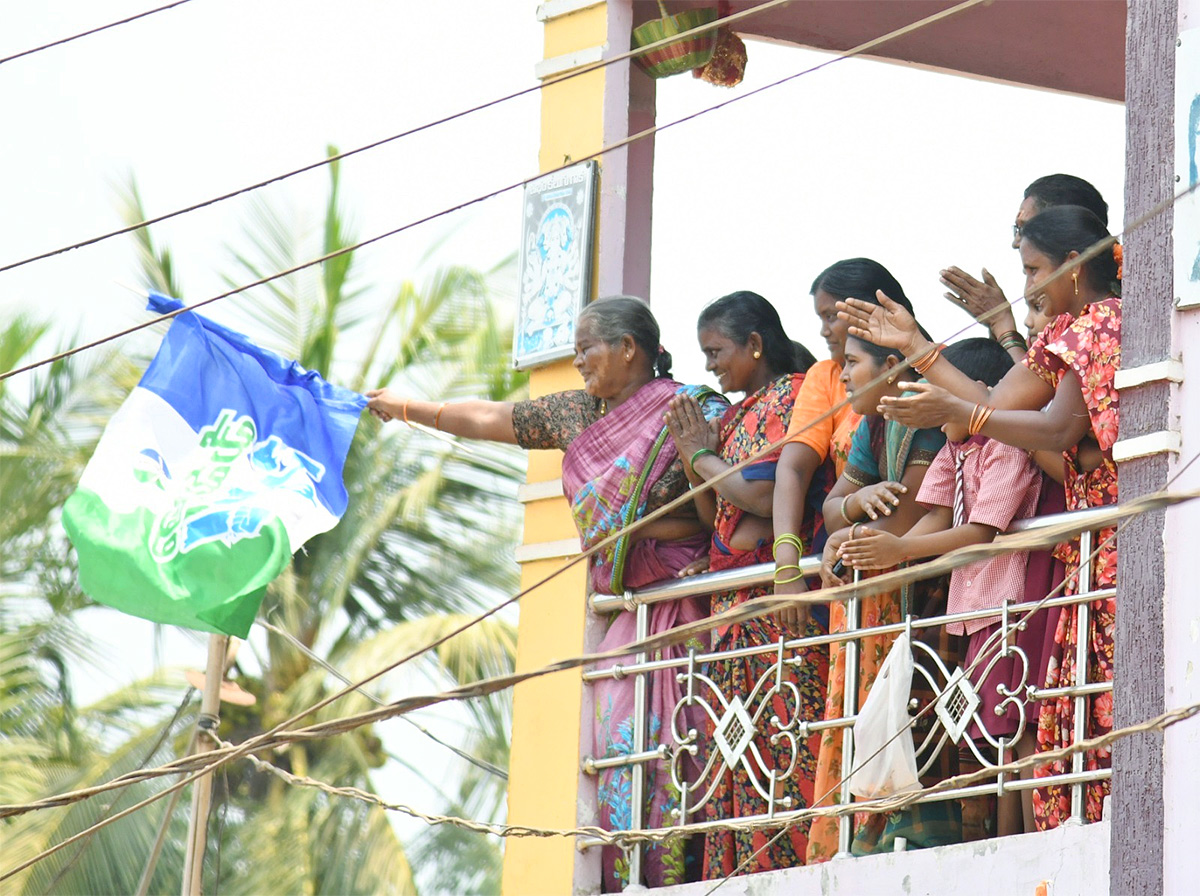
410	559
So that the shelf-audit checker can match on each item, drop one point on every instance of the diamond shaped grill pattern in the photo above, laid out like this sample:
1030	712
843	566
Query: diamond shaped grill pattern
734	731
956	705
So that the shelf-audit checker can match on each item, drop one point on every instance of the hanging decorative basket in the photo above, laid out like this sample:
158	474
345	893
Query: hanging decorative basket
679	56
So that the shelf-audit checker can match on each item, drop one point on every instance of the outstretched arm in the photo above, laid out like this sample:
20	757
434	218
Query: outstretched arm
1056	428
486	420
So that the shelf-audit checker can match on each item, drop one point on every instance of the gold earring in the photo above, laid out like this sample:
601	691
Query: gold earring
757	355
1075	277
892	379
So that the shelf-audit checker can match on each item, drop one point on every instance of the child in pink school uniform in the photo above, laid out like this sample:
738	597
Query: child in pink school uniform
975	488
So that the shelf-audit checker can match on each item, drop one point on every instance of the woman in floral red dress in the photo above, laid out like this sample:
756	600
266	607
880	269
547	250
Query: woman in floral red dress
1068	373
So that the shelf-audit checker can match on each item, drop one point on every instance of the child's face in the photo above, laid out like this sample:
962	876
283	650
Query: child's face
859	370
1036	318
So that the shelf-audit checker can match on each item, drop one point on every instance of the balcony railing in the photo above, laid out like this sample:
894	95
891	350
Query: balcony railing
736	721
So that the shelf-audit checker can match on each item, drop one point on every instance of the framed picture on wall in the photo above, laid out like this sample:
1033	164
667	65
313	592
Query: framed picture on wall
557	237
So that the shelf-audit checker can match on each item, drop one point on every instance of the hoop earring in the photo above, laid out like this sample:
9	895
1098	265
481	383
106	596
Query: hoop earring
1075	277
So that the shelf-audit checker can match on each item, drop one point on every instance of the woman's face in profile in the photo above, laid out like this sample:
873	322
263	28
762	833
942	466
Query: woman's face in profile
833	330
604	368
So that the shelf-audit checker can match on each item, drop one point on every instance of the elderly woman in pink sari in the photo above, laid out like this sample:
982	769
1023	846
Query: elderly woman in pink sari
619	465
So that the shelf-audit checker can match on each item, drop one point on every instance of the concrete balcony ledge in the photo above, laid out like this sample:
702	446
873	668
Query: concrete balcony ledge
1071	860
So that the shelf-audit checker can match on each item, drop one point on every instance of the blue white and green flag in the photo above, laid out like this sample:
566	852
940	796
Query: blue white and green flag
222	462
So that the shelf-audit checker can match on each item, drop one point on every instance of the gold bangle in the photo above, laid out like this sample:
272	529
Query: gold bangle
842	509
438	416
404	413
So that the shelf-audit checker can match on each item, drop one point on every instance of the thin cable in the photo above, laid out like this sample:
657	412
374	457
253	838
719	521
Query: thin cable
552	575
860	49
67	40
337	157
482	764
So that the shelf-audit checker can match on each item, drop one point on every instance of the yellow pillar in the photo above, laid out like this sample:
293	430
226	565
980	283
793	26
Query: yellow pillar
579	116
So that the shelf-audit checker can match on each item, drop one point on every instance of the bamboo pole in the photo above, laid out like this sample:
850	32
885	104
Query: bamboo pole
210	710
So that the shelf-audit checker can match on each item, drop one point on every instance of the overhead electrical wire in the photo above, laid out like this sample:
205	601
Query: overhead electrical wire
633	138
337	157
90	31
883	581
1083	258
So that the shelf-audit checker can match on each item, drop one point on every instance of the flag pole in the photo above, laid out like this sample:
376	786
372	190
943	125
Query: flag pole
210	708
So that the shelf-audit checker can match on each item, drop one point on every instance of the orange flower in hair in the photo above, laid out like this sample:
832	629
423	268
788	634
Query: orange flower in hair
1119	258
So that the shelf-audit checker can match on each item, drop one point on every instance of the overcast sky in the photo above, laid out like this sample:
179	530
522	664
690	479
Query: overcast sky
919	170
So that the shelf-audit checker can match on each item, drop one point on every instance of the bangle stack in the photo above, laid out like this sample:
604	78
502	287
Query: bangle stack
700	453
787	538
922	364
979	416
1011	339
794	541
797	577
438	417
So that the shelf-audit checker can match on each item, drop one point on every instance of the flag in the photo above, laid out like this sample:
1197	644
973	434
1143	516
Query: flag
222	462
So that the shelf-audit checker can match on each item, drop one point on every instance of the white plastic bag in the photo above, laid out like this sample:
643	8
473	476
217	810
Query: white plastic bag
893	769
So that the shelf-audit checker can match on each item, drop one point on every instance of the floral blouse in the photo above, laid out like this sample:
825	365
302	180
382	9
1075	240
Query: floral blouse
1090	346
555	420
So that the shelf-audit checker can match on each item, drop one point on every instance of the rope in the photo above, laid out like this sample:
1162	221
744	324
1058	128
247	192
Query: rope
992	645
482	764
67	40
861	48
337	157
663	510
278	737
659	835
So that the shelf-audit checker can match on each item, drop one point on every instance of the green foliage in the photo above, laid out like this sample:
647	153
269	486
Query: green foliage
409	561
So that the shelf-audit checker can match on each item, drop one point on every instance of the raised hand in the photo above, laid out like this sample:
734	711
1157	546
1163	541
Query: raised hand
925	406
887	324
688	427
983	299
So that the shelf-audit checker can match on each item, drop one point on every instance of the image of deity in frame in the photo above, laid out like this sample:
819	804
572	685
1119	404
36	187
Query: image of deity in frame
556	263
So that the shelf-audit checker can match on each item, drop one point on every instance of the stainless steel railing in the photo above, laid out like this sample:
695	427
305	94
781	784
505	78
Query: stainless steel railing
689	671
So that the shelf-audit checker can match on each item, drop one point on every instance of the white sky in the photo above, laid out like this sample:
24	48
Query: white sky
916	169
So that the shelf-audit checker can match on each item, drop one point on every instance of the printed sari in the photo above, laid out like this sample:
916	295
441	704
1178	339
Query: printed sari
1089	346
609	471
746	429
880	451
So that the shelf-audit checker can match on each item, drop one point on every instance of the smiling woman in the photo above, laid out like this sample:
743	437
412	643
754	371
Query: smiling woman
619	466
746	347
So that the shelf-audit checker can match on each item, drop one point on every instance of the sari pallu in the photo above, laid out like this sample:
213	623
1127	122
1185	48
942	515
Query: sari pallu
608	471
880	451
747	429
